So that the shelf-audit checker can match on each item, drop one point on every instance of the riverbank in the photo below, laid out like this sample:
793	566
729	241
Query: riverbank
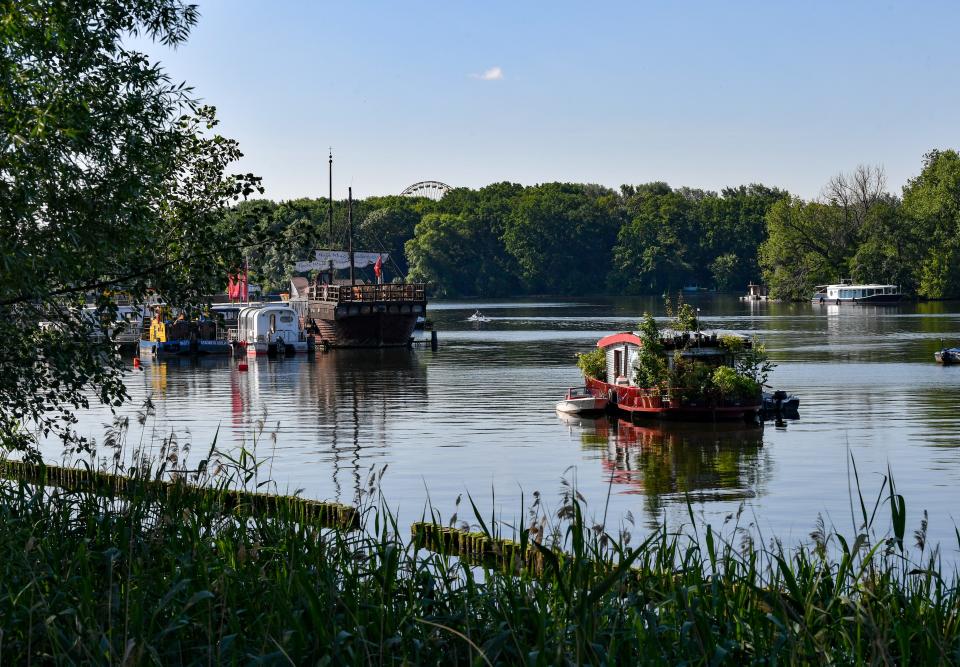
180	578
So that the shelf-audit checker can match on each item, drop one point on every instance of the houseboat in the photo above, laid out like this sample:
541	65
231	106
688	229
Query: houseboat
848	292
273	330
622	351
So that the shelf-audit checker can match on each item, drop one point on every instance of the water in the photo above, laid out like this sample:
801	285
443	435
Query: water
477	416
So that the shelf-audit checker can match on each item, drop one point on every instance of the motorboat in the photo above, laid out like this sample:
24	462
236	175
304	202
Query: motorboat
848	292
478	317
579	400
780	404
947	356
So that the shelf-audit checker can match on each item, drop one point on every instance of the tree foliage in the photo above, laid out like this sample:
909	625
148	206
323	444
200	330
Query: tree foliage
112	180
932	205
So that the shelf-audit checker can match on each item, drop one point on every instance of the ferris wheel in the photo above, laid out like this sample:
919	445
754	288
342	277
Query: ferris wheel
430	189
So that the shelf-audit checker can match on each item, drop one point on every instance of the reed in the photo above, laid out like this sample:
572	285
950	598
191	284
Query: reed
180	578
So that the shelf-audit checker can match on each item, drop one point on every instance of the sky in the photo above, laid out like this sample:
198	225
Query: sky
701	94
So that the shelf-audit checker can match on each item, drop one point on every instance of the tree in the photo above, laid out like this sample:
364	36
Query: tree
561	236
387	229
798	253
111	181
932	203
652	252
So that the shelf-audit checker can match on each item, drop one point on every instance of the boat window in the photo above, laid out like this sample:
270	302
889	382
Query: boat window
273	321
286	318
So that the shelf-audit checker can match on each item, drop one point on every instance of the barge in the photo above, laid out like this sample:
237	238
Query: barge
623	396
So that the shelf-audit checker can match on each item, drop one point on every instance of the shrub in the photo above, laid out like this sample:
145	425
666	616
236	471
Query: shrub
593	364
732	342
651	367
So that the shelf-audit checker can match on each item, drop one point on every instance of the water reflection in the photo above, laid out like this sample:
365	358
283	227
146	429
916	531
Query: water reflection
668	462
351	396
477	415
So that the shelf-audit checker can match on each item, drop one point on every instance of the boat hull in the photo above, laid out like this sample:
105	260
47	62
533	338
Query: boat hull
947	357
581	405
263	349
183	348
364	325
639	403
876	299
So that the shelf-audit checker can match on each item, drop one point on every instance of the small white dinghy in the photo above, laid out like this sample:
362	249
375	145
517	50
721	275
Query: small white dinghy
579	399
478	317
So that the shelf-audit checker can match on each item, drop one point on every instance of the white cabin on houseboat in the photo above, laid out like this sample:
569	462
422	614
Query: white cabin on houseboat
274	329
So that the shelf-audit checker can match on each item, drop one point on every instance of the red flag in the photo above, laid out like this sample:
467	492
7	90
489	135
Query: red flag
378	268
232	288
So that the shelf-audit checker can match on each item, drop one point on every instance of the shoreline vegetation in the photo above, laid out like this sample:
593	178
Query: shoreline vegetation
131	576
576	239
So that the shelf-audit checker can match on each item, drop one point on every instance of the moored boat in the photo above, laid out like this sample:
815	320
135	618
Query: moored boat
686	357
580	400
947	356
854	293
272	330
184	338
355	313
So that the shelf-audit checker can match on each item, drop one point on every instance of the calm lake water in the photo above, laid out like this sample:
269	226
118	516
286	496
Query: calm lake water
478	416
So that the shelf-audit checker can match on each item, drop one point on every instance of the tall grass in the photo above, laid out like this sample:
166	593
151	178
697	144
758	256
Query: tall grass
177	578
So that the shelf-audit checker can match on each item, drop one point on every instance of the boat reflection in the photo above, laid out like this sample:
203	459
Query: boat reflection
668	462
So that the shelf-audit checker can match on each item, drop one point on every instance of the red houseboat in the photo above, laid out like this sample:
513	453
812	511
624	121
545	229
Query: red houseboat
622	351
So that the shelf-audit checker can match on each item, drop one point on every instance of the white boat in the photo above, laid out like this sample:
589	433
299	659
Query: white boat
478	317
273	329
579	399
848	292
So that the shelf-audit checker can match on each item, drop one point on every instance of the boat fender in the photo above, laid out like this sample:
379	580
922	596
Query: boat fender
612	396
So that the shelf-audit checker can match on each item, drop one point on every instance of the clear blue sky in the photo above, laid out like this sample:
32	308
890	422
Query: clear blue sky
705	94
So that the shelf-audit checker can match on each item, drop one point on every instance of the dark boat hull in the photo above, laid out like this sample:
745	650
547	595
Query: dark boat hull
366	325
948	356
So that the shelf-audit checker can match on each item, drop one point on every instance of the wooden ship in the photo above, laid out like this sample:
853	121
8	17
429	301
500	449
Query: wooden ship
352	313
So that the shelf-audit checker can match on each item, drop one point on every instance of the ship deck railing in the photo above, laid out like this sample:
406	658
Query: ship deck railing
390	292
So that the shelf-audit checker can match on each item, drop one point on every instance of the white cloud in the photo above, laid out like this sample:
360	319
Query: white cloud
492	74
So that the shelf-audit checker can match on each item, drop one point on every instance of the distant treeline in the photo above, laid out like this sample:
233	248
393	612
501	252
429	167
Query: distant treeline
569	238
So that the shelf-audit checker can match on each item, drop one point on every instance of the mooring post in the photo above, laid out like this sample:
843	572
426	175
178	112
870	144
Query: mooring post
434	343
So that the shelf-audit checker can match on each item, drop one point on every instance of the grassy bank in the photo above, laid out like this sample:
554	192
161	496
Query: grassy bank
182	578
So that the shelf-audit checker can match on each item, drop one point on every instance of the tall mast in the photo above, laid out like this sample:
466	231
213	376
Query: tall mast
350	232
330	197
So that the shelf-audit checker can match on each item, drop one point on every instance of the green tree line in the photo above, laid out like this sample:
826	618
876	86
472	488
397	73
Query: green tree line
569	238
555	238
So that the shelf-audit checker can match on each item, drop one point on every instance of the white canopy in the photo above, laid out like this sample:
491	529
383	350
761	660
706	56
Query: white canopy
341	260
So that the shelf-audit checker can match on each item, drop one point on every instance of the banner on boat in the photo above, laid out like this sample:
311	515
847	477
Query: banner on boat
341	260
